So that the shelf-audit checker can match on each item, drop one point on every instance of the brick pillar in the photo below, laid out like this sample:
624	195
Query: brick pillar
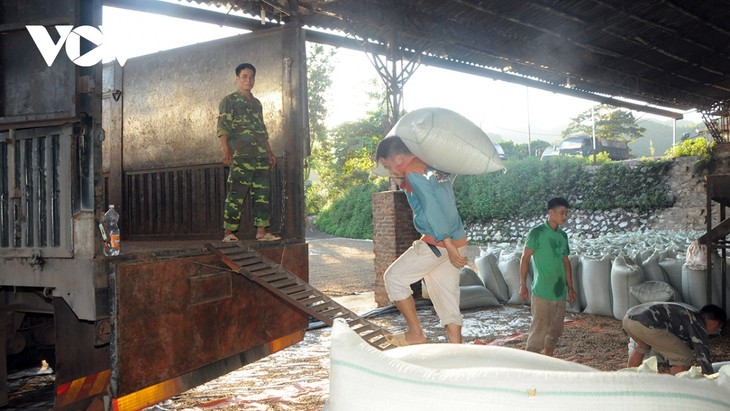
393	234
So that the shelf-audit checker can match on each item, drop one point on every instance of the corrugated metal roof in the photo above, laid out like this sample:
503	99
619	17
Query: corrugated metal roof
668	53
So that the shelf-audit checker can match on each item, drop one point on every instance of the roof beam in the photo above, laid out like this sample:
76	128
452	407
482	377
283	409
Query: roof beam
350	43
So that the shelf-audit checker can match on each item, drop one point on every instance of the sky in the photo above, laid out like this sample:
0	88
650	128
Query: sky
505	111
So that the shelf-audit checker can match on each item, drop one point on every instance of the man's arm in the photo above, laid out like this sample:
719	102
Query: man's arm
226	151
569	279
272	157
457	260
524	266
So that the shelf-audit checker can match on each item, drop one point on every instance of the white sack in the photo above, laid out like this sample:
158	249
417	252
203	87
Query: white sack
472	296
651	268
510	269
365	379
673	268
624	275
468	277
579	304
489	273
654	291
446	140
596	283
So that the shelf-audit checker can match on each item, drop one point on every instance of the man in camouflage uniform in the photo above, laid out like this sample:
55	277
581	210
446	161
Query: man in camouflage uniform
245	144
677	331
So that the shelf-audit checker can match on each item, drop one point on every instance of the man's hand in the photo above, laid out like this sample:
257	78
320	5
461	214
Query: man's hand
571	294
227	159
457	260
523	291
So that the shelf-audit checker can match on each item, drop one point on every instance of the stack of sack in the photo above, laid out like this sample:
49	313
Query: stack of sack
605	285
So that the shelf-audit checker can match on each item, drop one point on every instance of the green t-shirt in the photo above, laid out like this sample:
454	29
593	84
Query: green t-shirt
548	249
243	121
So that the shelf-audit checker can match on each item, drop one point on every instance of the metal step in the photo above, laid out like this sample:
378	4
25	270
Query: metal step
296	292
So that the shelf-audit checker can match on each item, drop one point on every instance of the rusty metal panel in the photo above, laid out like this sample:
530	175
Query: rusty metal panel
171	99
172	316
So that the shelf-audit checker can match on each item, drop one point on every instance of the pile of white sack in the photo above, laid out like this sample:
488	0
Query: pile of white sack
611	273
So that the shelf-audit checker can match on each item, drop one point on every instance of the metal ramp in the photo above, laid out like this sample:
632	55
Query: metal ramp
297	292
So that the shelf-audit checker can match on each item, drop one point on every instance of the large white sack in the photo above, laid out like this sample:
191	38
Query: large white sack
450	356
654	291
473	296
446	140
365	379
694	284
596	283
510	269
579	304
467	277
651	268
489	273
624	275
673	268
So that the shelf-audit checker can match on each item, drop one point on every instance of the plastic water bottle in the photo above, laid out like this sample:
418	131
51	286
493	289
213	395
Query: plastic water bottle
111	223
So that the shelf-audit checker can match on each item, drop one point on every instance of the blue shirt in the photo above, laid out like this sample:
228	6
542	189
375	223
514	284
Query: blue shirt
430	194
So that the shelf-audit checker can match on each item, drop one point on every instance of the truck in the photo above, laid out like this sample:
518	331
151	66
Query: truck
583	145
166	314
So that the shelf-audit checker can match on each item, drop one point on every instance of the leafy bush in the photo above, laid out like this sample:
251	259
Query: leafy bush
522	191
691	147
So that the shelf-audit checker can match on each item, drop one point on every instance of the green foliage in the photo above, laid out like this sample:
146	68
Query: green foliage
523	190
316	197
350	160
614	185
611	123
691	147
352	215
513	150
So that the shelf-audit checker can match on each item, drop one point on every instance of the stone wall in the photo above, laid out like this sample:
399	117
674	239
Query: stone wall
686	180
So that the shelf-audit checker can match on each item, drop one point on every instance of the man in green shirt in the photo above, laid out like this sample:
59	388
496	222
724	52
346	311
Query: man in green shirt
547	245
245	144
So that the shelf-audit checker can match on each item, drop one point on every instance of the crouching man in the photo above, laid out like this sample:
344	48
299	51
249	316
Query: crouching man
677	331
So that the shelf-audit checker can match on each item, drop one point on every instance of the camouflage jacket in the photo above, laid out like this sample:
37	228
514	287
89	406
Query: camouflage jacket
243	121
682	320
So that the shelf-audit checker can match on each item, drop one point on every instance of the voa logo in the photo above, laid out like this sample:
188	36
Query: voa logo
71	38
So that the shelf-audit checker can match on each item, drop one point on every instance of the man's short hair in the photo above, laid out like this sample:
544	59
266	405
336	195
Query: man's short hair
243	66
391	146
713	312
557	202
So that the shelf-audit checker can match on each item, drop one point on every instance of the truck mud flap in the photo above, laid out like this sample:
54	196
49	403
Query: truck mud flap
296	292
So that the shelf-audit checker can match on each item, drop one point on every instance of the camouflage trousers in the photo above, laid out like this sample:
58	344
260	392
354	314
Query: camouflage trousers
248	177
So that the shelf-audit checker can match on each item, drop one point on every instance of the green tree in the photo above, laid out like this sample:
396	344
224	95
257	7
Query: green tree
513	150
319	68
611	123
